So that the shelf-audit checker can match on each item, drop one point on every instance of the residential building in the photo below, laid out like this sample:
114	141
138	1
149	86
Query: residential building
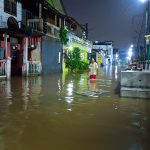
11	37
47	18
105	50
77	39
29	37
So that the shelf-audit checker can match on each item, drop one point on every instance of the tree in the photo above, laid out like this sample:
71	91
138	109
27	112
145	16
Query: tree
74	62
63	34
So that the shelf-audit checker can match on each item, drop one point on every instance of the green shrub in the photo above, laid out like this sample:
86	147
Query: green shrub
74	62
63	34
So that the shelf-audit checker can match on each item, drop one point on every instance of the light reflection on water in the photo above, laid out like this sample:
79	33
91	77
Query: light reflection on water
46	113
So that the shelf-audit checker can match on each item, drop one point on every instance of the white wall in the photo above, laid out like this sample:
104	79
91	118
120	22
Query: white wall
4	16
104	48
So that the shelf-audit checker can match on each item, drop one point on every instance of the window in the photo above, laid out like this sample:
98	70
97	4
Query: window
10	6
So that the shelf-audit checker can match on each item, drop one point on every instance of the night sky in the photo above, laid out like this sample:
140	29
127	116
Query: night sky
116	20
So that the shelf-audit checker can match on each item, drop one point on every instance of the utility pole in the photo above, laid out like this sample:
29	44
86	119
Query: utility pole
147	30
86	30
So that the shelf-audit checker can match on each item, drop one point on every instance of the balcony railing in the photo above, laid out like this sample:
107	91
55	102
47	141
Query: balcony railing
87	45
34	67
2	68
37	25
52	30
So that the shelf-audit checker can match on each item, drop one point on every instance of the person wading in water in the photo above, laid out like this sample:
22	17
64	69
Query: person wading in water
93	69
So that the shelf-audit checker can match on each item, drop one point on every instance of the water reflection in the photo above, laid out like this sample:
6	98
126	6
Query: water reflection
45	112
5	96
116	72
107	71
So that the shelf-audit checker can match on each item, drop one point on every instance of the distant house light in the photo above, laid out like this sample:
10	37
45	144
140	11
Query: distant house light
70	48
96	41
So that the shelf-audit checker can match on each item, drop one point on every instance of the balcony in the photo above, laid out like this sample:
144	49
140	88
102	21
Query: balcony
52	30
86	44
37	25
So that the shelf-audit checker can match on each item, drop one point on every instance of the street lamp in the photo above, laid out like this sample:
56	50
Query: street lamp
143	1
117	56
130	53
132	46
147	14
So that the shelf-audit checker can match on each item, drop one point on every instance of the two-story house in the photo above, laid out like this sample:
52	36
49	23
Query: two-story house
77	39
10	37
45	17
29	36
29	39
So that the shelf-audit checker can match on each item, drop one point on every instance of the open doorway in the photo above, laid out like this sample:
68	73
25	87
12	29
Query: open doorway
17	57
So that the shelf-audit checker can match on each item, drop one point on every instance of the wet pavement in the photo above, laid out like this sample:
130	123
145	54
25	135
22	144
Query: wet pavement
48	113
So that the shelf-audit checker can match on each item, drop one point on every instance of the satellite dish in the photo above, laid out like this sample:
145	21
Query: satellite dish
12	23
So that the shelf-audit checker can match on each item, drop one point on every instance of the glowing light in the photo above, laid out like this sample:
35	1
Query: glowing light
143	1
70	48
69	100
116	72
128	58
70	89
59	58
130	53
117	55
132	46
96	41
130	49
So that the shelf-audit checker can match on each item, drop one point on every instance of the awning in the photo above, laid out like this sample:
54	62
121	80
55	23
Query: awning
15	33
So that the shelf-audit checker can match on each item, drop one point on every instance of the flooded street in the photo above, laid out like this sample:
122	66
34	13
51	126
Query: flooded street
50	113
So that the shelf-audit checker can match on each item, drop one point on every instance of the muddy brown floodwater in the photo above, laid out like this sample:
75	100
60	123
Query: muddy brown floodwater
50	113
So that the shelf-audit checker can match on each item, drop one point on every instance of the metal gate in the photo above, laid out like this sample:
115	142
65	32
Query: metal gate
51	55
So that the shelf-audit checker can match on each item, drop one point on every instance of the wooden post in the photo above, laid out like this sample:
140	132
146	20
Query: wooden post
40	10
55	20
64	22
60	24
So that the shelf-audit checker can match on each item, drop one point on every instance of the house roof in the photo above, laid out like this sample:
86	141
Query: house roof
58	5
103	43
74	21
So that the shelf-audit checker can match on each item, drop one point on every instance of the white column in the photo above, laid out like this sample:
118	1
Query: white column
25	57
8	67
